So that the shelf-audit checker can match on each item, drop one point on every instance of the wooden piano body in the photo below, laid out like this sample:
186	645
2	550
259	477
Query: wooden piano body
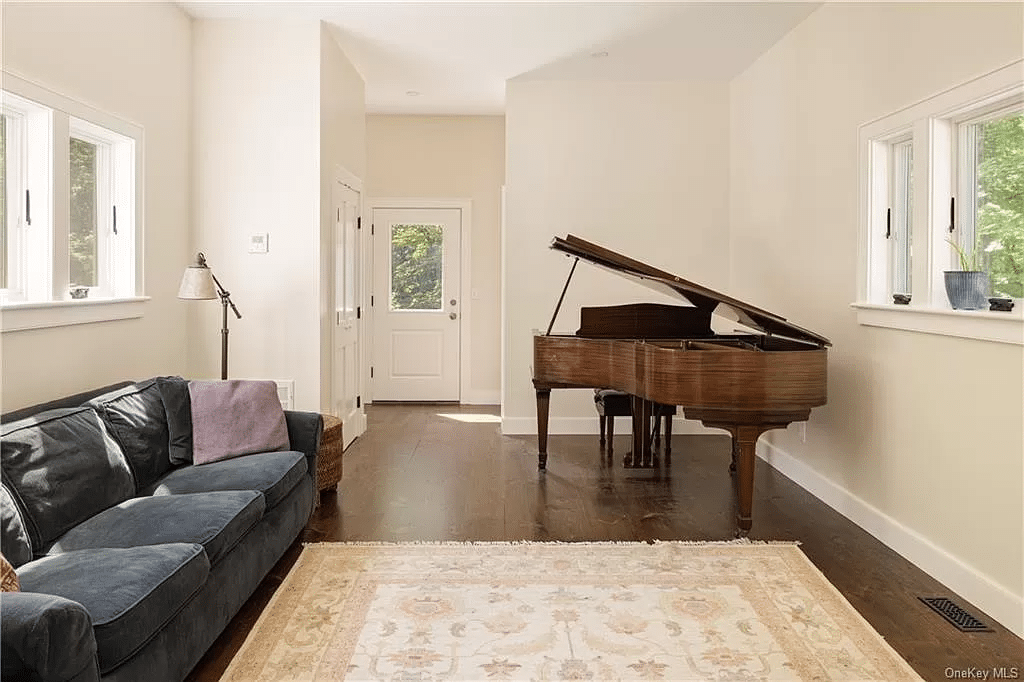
745	383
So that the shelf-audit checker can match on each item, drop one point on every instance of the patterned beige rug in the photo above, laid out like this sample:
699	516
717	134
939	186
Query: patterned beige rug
552	611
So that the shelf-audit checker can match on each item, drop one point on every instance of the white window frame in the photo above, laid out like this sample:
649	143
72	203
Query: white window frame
965	180
933	125
42	298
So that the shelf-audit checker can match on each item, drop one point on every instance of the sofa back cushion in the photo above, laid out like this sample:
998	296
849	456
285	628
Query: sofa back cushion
136	417
14	542
62	467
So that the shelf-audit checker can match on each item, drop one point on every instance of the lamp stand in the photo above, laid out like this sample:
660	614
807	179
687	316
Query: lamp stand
225	301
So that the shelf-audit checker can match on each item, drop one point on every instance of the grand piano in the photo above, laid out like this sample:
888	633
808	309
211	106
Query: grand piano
765	376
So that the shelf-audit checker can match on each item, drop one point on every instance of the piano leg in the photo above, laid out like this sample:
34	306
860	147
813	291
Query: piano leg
668	437
611	433
641	455
543	407
744	443
746	428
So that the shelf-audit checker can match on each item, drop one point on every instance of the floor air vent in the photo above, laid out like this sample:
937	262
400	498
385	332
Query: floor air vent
962	620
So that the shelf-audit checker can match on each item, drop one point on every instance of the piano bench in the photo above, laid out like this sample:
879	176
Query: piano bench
611	403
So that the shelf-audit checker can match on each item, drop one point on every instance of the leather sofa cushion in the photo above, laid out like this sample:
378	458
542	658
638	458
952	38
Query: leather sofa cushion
62	467
217	521
273	474
130	594
136	417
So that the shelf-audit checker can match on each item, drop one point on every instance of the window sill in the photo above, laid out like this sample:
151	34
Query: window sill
982	325
42	315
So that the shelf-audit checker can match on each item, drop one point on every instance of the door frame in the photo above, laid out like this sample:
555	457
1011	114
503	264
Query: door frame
465	206
345	177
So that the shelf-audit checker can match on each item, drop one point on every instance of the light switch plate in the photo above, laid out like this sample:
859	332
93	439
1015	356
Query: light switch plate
259	243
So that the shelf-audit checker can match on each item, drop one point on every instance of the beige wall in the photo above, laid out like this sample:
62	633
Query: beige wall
927	430
131	60
641	168
259	141
452	157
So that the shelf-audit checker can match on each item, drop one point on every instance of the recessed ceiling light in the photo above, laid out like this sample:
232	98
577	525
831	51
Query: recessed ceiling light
413	93
598	55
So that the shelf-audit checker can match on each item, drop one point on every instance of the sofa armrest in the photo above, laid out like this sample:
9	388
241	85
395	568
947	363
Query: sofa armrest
304	431
47	638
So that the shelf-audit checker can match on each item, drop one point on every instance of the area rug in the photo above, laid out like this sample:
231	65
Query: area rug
561	611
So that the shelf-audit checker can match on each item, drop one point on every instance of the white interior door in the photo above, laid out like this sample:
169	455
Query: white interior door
417	318
346	385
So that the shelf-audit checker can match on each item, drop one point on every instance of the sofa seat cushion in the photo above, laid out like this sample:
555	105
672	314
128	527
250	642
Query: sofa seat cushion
274	474
217	521
130	594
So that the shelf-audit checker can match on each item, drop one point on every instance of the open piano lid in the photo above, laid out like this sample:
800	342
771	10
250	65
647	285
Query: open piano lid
695	294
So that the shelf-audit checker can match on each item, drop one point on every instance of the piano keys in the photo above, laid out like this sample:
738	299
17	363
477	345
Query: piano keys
764	377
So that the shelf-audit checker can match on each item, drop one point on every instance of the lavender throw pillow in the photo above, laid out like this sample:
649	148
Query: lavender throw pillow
232	418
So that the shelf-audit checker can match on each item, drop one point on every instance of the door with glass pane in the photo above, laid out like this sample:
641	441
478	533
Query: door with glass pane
416	305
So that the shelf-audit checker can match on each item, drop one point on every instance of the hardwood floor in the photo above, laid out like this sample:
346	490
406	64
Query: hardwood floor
444	472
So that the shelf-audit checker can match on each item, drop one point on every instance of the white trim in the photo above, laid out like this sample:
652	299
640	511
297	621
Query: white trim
981	325
64	115
465	206
932	122
589	426
995	600
478	396
503	344
45	314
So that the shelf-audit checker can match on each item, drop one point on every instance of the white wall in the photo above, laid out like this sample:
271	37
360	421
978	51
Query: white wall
257	169
131	60
927	430
342	144
453	157
641	168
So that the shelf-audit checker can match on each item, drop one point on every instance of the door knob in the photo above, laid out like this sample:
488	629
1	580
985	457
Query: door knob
452	316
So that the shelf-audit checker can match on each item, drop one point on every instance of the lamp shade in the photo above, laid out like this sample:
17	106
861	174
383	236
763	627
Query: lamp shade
197	283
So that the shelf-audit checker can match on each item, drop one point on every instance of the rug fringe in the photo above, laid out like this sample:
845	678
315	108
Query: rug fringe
510	543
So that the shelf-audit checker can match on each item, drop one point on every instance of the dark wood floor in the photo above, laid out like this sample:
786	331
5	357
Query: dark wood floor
444	472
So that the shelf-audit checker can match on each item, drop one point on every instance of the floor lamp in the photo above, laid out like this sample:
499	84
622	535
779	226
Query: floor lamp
200	284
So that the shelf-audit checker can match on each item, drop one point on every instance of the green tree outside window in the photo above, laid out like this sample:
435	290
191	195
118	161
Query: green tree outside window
1000	203
416	266
82	237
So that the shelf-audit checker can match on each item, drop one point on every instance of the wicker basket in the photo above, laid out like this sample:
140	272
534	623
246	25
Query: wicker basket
328	457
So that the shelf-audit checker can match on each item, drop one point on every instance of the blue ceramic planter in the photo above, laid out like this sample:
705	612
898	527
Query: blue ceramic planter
967	290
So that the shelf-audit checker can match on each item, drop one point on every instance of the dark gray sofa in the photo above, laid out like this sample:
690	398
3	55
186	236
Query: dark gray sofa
131	566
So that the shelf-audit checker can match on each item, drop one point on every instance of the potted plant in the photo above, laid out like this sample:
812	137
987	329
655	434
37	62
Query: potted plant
967	288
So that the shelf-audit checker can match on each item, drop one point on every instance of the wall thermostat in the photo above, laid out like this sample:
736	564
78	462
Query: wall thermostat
259	243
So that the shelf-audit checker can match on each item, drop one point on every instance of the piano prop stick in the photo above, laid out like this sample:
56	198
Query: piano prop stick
745	383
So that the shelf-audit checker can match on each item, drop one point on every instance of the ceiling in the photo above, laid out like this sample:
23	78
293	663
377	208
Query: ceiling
455	57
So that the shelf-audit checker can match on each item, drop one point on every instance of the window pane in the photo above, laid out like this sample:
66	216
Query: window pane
999	206
901	213
82	238
3	202
416	259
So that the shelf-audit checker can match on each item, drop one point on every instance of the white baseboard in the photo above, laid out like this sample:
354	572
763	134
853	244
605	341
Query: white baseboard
479	396
587	426
965	580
